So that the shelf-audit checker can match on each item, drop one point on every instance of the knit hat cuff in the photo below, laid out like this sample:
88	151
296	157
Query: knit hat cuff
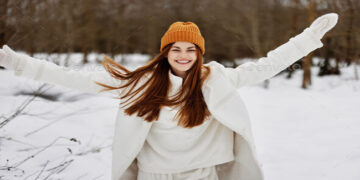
184	36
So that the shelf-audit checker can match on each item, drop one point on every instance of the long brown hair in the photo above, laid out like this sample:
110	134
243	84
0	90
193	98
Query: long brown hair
154	92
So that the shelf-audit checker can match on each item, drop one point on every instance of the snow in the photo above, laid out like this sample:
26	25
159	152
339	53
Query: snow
307	134
300	134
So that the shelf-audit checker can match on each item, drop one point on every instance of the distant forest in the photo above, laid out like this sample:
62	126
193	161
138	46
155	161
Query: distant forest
231	28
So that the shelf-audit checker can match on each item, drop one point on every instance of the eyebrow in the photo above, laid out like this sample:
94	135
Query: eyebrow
179	47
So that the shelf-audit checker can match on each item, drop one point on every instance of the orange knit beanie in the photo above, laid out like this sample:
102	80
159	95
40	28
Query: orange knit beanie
183	31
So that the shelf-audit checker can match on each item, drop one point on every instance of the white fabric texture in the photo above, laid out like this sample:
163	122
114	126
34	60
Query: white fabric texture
48	72
170	148
207	173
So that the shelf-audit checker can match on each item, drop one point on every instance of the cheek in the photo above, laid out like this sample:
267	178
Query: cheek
171	60
170	57
194	57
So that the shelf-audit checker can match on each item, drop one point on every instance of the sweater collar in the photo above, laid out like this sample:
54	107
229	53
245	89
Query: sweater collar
175	83
175	80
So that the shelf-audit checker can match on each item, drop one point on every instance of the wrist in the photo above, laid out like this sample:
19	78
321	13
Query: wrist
310	32
307	41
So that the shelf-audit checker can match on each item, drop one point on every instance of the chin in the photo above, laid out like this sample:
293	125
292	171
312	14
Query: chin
183	69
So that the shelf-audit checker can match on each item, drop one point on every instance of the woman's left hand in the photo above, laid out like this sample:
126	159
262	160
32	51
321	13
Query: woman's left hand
323	24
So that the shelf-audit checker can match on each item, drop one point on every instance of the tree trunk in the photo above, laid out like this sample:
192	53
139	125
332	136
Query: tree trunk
3	17
85	57
325	67
294	25
356	63
349	48
308	59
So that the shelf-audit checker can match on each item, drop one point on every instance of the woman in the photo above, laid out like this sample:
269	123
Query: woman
180	119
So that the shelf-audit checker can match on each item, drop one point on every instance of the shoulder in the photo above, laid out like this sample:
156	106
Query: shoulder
213	64
216	67
219	71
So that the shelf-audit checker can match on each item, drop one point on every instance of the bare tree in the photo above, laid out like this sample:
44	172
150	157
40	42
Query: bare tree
232	28
308	59
295	11
3	16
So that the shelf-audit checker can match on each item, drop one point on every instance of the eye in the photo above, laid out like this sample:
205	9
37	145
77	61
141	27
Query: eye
191	50
175	50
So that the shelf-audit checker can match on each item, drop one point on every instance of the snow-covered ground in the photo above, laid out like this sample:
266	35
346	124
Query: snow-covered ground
307	134
301	134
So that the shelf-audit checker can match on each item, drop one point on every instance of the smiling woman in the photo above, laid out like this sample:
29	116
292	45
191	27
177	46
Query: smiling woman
182	119
181	57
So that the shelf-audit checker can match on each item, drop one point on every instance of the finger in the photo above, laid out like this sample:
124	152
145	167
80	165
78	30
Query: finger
334	19
333	16
323	25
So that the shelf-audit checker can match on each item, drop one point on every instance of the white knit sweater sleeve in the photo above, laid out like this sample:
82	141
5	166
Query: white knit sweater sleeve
251	73
81	80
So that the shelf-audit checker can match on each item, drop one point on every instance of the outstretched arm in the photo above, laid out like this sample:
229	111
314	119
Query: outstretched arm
283	56
48	72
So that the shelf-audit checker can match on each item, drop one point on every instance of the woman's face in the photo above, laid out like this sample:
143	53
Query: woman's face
181	57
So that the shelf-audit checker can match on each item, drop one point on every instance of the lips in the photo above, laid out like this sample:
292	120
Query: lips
183	61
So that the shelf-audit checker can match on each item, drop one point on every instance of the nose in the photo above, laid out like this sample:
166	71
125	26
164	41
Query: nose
183	55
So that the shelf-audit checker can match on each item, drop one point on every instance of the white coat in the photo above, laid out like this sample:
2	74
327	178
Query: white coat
220	94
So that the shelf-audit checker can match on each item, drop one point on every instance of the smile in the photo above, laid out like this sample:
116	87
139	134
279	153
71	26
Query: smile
183	61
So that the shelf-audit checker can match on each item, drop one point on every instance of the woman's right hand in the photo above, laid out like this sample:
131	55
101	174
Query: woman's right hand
8	58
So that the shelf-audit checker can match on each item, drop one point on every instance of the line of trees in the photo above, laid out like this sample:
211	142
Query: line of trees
232	28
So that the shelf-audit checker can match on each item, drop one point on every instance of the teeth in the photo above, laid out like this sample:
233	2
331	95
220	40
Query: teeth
184	62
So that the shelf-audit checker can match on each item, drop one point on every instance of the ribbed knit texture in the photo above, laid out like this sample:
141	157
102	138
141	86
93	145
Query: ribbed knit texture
183	31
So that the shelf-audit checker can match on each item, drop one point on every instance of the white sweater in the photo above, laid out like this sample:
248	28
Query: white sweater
170	148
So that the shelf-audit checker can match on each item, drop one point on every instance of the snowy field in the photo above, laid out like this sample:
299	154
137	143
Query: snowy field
301	134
